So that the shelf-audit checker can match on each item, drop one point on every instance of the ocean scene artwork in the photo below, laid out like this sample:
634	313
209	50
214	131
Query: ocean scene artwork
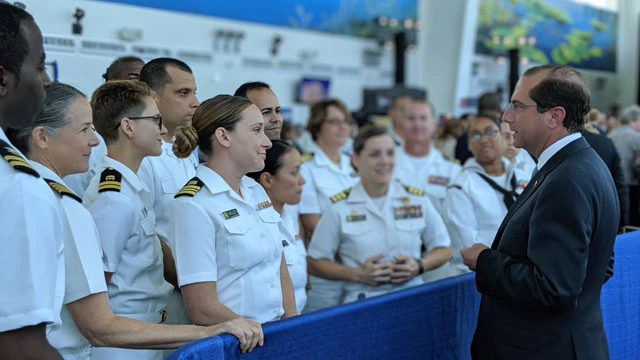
549	32
345	17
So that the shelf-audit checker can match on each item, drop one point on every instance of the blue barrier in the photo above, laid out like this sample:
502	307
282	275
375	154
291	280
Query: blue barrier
432	321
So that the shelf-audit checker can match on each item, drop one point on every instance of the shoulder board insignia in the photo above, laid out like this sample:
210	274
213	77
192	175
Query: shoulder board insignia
413	190
16	160
340	196
193	186
306	157
62	190
110	180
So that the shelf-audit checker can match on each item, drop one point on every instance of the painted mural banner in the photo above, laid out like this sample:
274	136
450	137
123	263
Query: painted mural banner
549	32
345	17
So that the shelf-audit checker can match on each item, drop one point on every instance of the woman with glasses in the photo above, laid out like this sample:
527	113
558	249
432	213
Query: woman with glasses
282	181
479	197
224	230
58	143
327	171
378	227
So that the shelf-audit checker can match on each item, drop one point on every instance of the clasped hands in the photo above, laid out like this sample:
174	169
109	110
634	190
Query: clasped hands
397	271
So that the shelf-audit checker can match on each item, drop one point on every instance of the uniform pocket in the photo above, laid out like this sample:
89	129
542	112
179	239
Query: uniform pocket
147	243
240	256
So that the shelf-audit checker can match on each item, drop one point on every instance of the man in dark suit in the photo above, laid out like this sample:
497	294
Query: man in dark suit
541	279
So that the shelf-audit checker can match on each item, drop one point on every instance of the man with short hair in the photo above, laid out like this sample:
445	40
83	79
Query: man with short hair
542	277
174	88
124	68
266	100
419	163
397	113
32	270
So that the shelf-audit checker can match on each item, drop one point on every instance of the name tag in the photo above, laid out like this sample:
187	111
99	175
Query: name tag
407	212
353	218
230	214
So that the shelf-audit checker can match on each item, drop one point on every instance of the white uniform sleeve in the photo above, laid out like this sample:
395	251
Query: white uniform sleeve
460	219
113	216
84	272
32	234
309	203
435	233
192	238
326	237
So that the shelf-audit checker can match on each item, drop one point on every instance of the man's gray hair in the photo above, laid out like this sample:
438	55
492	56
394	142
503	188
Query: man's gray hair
630	114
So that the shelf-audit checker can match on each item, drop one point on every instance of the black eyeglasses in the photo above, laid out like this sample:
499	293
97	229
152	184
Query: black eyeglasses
157	118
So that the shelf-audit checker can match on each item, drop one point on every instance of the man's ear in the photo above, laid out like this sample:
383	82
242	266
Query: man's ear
266	180
558	114
40	137
222	135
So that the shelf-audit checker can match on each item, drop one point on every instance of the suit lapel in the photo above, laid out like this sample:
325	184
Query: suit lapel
564	153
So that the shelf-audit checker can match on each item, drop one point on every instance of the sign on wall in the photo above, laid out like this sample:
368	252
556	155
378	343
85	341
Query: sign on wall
549	31
346	17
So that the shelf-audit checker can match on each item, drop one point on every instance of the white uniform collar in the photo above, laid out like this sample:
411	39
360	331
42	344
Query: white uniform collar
216	184
127	174
359	195
433	155
322	159
47	173
555	147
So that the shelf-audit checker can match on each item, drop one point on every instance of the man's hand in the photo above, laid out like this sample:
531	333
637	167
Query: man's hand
470	255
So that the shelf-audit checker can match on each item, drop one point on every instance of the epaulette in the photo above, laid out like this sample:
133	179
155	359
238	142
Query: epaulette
340	196
413	190
590	128
16	160
193	186
110	180
62	190
306	157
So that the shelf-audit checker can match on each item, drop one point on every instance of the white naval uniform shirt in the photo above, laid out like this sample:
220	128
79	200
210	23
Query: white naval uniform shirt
164	175
84	273
357	229
433	175
216	235
132	252
32	258
473	210
323	180
295	254
525	164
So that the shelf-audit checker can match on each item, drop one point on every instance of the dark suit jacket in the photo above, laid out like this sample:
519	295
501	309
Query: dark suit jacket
541	279
607	151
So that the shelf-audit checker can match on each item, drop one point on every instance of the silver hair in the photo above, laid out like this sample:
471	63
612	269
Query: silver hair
630	114
53	115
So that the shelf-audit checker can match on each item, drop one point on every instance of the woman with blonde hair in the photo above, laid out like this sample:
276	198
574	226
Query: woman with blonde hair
224	231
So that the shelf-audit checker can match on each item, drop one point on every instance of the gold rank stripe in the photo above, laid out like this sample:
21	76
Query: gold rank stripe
109	184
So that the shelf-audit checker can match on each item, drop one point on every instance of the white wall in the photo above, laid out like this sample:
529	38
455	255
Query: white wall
338	58
628	30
